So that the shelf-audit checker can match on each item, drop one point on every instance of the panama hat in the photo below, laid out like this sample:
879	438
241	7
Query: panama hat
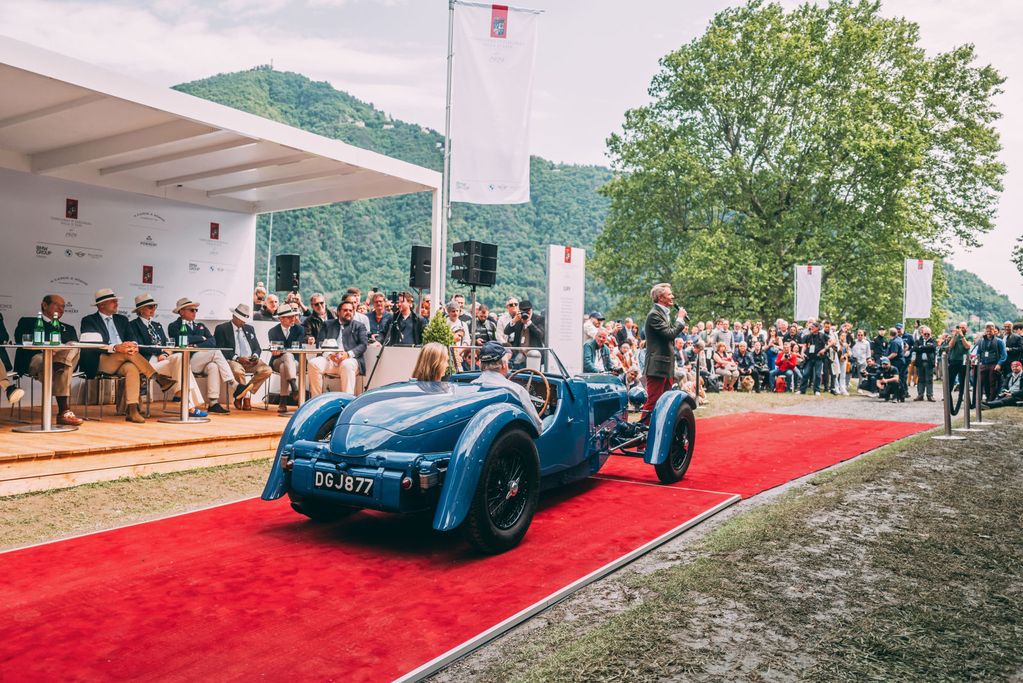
242	312
285	310
144	300
185	302
104	295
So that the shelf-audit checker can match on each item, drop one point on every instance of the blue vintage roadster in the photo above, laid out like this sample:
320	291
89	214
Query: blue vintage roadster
467	452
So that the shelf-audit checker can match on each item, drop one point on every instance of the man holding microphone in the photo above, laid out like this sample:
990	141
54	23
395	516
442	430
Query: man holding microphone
660	337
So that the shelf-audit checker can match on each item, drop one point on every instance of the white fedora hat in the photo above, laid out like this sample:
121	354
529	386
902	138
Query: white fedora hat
242	312
104	295
185	302
144	300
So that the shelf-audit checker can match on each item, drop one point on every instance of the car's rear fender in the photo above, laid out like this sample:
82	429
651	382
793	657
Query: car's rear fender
662	425
304	425
468	457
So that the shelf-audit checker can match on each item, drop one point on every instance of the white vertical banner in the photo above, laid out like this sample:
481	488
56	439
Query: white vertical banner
916	300
494	49
566	292
808	292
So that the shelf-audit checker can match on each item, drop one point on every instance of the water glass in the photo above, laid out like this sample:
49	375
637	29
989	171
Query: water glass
26	339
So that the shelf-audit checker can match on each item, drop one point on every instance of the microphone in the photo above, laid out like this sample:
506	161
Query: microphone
685	318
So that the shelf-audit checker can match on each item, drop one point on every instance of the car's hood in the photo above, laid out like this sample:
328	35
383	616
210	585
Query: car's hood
410	415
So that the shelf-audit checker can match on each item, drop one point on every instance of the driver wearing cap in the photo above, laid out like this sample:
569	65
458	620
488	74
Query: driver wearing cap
494	363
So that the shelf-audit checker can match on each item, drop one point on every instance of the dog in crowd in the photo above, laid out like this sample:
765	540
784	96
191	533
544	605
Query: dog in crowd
746	384
911	377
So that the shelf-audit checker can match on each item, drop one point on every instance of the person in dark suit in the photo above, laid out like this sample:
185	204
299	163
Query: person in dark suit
13	393
660	339
317	318
240	337
406	327
596	354
65	361
346	340
526	330
210	363
379	319
147	332
288	333
121	357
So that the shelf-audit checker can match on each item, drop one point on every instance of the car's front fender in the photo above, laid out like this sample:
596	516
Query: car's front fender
467	461
303	425
662	425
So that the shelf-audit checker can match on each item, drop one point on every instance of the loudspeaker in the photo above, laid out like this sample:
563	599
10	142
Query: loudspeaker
287	272
474	263
419	268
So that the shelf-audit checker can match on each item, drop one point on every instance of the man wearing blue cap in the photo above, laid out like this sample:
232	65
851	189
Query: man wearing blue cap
494	366
888	383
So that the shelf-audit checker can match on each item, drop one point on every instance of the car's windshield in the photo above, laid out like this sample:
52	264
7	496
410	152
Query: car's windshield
466	359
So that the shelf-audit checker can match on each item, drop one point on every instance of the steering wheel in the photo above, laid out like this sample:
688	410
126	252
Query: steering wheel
546	384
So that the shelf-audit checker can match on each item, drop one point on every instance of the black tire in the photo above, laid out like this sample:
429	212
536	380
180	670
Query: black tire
506	495
318	511
326	429
683	442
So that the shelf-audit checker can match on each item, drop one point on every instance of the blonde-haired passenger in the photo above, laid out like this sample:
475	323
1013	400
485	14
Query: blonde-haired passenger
432	364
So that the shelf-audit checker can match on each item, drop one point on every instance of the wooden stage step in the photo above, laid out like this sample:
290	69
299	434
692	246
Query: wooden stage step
113	448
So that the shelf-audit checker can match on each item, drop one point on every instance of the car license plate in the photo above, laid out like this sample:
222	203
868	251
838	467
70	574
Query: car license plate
344	482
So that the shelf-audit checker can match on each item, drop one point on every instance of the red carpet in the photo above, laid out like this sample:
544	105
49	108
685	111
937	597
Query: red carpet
747	453
252	590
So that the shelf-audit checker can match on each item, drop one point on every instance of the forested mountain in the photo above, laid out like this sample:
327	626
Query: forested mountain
367	243
973	300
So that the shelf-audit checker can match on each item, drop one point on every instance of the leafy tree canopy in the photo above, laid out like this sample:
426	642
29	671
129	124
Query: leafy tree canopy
822	135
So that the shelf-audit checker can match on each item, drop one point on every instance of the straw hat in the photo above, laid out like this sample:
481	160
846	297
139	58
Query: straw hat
185	302
104	295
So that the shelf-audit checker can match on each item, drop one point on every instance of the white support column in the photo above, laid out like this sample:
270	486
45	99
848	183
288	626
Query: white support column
438	254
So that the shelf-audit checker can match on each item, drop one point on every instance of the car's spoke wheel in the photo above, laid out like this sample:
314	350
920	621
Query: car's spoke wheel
506	495
683	442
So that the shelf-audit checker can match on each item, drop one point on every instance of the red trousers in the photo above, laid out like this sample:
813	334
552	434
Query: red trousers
655	387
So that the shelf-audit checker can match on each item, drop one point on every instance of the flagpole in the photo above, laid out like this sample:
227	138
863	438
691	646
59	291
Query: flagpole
446	180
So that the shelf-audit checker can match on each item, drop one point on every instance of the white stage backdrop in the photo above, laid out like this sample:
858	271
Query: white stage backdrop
491	98
808	292
566	291
916	302
60	237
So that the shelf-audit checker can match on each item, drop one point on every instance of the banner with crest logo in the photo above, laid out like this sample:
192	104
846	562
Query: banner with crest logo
808	292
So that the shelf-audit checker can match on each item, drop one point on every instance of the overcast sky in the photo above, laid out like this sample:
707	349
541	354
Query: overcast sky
595	60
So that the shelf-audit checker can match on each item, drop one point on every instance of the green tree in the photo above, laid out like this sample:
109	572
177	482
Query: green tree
1017	254
822	135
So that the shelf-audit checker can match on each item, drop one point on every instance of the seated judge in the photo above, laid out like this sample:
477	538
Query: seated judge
121	354
13	393
209	362
345	341
289	334
239	336
148	332
65	361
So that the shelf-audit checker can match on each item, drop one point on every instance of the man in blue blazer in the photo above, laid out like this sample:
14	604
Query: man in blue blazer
149	333
345	340
289	334
121	353
243	356
210	363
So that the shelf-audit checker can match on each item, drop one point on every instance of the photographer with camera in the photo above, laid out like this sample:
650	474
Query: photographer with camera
379	319
526	330
406	327
958	349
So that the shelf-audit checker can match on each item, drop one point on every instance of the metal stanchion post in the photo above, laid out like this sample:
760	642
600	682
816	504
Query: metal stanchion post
980	412
946	390
968	378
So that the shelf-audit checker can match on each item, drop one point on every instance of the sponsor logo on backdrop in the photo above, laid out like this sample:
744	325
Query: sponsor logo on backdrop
69	281
215	231
45	249
147	275
42	251
148	241
6	302
499	21
568	254
193	268
148	216
207	293
71	209
70	307
69	253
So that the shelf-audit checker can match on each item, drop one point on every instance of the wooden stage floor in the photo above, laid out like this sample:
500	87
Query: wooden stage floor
113	448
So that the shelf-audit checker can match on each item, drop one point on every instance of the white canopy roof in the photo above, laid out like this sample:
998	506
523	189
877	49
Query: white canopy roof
67	119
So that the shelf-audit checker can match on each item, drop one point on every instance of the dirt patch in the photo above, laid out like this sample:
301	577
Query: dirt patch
906	564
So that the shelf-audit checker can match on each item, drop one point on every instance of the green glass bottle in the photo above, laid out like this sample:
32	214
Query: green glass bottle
55	333
183	335
39	332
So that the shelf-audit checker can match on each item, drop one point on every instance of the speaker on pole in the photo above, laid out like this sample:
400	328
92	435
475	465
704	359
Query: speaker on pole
419	268
474	263
287	272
